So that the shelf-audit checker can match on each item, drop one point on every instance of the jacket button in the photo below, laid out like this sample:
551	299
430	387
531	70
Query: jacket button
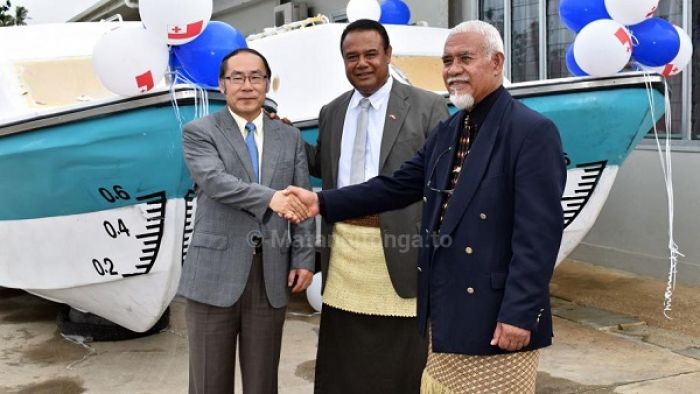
482	216
470	290
468	250
425	199
419	269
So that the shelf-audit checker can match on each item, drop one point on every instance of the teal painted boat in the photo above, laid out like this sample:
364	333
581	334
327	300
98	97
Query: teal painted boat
96	205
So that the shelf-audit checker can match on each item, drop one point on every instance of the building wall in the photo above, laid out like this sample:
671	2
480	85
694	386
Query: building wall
632	230
251	16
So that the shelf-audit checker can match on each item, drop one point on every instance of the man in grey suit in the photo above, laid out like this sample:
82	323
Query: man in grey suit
368	339
241	264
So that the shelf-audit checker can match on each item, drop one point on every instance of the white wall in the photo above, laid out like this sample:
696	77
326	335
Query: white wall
631	232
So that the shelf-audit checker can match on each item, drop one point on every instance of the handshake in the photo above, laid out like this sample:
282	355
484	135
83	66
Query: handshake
295	204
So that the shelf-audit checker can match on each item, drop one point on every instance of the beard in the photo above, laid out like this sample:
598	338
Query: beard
462	101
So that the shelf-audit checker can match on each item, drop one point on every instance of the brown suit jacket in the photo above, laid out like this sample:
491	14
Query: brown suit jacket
411	113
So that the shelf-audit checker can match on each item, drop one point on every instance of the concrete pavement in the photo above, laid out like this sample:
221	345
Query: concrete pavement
610	337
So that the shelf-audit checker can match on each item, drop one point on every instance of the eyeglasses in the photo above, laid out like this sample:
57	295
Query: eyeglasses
239	79
432	174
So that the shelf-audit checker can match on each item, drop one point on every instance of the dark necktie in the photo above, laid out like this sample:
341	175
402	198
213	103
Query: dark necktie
465	140
252	149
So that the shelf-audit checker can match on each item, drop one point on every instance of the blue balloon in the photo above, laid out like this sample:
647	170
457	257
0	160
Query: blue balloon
657	42
571	64
177	68
394	12
200	58
576	14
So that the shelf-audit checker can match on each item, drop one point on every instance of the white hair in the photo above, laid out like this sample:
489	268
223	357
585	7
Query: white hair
494	43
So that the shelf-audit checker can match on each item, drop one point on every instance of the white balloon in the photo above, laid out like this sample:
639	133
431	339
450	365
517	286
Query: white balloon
602	48
175	21
129	60
313	293
675	66
363	9
631	12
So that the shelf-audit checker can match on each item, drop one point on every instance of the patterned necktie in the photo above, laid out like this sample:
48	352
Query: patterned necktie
465	140
357	167
252	149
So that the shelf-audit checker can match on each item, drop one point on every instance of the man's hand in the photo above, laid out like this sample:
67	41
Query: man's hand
299	278
308	198
274	116
288	206
509	337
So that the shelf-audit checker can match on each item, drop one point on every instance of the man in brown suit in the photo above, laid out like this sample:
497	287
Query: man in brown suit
368	339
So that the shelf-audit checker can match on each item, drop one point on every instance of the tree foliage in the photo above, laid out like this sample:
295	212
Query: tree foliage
8	19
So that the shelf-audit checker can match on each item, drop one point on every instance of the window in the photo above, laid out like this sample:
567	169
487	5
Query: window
491	11
558	39
519	24
525	36
672	11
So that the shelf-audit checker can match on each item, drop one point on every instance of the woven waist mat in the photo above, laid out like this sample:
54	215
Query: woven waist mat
358	279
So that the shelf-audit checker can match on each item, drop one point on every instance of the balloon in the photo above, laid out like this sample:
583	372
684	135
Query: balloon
657	42
313	293
631	12
394	12
363	9
176	67
602	48
201	58
175	21
129	60
576	14
675	66
571	64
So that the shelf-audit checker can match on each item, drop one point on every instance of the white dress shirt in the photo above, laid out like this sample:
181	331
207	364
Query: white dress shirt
258	135
375	129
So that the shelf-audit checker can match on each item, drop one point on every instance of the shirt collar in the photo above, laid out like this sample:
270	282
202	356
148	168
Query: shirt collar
241	122
482	108
377	99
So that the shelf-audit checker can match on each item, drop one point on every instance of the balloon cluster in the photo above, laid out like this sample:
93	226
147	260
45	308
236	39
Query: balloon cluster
394	12
131	60
611	33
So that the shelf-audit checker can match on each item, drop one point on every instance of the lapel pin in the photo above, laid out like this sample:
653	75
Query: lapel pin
392	116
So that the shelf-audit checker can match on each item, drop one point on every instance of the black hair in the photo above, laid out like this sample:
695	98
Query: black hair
364	25
222	67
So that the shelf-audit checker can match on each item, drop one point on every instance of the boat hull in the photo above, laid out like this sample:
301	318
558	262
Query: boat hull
96	205
97	212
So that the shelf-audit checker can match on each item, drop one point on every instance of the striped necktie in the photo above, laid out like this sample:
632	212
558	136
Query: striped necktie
463	146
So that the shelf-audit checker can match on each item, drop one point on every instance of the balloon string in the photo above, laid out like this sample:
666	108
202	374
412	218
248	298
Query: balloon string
199	95
633	39
665	160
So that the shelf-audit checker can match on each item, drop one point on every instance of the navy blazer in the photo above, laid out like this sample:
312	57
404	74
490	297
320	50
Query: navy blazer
492	258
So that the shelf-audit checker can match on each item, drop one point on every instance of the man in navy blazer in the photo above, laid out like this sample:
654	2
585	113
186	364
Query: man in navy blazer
491	178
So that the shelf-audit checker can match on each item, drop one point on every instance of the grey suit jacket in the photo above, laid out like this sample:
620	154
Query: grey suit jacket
231	210
411	114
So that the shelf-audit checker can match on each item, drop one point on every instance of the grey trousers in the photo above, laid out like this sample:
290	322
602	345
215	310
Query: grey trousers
213	333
